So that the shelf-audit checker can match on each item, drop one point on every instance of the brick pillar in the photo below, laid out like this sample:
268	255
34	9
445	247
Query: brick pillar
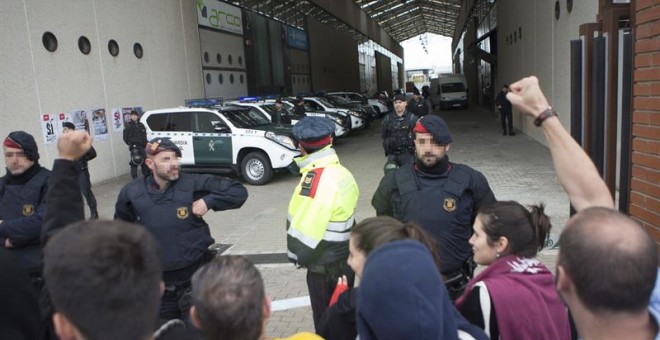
645	181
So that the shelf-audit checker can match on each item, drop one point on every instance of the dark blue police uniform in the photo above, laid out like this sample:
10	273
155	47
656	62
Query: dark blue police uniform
23	205
443	200
168	214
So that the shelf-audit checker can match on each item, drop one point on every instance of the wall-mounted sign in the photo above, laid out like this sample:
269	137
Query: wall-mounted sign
219	15
296	38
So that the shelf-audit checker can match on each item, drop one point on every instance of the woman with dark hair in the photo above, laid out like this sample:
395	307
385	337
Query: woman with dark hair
339	320
514	297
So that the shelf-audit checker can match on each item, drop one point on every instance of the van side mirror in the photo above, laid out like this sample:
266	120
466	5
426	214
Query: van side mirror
221	128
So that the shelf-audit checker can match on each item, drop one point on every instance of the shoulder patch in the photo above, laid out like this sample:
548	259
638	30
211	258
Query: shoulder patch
311	182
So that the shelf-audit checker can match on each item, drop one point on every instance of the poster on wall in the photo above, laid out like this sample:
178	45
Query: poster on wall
117	124
100	124
122	116
80	119
49	127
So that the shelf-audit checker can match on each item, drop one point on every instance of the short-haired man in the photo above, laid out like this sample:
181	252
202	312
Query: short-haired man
418	105
229	301
607	264
299	106
85	182
104	278
321	212
397	134
281	116
171	205
23	202
440	196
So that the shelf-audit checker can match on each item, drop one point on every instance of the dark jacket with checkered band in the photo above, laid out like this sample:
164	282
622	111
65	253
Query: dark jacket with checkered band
321	210
444	205
22	209
184	238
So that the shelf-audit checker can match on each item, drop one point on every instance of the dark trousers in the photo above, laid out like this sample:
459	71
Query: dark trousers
143	165
86	188
505	117
321	285
176	301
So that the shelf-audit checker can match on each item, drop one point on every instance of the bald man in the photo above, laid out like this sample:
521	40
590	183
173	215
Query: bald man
607	263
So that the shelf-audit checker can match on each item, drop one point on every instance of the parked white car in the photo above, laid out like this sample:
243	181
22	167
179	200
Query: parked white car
217	138
379	106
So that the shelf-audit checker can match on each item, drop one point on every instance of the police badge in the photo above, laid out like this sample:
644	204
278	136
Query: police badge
28	209
449	204
182	213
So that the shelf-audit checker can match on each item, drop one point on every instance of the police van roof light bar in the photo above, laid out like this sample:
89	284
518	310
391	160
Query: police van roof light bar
204	102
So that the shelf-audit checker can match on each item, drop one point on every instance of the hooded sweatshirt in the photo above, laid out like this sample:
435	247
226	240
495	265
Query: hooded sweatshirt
402	296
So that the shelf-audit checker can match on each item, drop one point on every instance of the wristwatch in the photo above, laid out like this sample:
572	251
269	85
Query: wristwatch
549	112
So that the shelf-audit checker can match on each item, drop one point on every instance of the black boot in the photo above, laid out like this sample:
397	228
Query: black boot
93	214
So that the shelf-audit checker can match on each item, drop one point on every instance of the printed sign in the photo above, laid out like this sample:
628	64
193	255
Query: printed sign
80	119
49	127
100	124
219	15
296	38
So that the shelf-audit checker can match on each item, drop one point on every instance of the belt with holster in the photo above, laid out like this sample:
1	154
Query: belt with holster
332	269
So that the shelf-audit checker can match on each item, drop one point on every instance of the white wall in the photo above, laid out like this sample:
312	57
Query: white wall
35	81
543	51
226	46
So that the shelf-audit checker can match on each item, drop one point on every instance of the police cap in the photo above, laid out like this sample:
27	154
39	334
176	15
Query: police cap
313	131
68	125
25	141
436	126
400	97
158	145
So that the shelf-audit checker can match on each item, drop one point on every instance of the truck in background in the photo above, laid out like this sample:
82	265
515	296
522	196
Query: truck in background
449	90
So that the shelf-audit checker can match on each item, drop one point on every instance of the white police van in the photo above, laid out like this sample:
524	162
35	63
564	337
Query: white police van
217	138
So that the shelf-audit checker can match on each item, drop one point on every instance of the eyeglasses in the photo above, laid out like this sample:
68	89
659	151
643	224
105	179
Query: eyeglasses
10	154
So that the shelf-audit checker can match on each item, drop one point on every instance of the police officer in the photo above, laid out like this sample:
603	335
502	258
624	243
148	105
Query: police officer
281	116
22	202
171	206
441	197
135	136
299	107
417	104
321	212
504	106
85	182
396	131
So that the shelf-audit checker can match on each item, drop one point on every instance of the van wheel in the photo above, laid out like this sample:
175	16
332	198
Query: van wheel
256	168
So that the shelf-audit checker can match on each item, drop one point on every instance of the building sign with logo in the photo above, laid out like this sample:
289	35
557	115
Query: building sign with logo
296	38
219	15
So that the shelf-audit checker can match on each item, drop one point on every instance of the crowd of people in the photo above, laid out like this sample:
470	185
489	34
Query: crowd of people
149	273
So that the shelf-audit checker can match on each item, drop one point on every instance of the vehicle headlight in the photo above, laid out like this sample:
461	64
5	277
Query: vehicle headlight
355	114
285	141
336	119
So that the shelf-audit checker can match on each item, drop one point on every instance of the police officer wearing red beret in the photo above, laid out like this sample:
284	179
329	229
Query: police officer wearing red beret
23	202
440	196
171	205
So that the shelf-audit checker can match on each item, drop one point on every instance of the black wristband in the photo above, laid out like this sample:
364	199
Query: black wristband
549	112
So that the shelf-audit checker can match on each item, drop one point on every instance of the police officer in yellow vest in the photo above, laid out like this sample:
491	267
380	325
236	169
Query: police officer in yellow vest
321	212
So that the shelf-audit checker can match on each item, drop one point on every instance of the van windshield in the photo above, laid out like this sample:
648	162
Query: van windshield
246	119
453	87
